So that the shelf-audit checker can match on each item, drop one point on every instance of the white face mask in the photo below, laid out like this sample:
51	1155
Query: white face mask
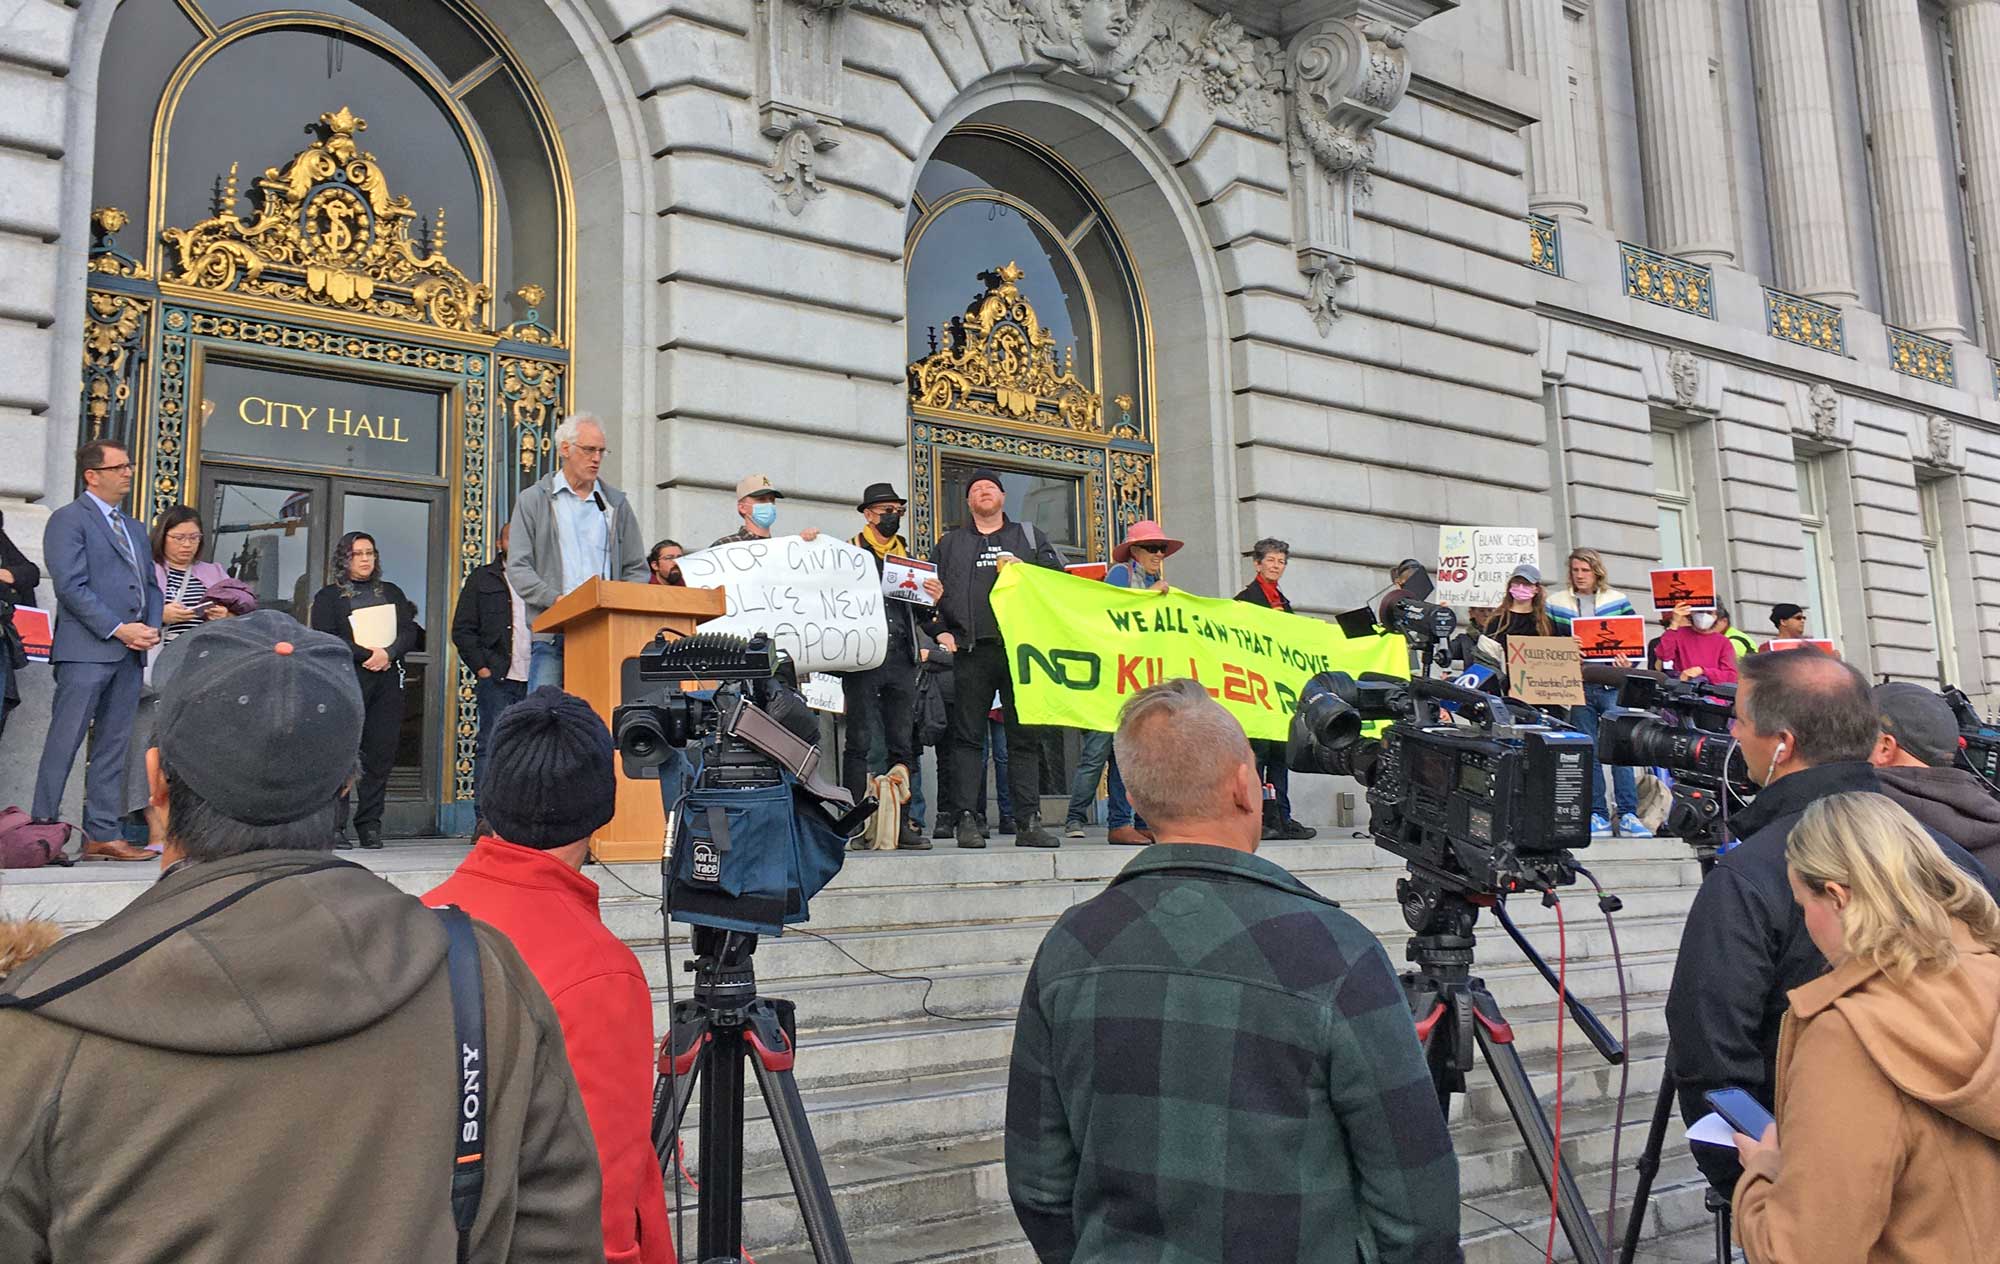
1704	621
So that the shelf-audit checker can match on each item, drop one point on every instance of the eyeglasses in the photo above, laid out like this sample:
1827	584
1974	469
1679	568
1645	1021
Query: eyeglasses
185	537
362	553
109	469
587	450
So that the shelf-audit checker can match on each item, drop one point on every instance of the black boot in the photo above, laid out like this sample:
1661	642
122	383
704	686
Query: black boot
969	832
341	842
1033	835
1274	826
371	837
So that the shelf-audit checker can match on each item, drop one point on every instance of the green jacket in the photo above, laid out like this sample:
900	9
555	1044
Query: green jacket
279	1081
1213	1063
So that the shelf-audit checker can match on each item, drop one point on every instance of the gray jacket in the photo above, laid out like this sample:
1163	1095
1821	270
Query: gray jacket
534	554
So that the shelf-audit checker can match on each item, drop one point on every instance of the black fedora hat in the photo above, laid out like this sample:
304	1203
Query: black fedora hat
880	493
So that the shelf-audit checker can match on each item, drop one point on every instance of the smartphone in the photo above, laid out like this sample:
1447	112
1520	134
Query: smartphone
1744	1112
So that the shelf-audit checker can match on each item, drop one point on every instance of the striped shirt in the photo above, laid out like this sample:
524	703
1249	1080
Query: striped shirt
186	588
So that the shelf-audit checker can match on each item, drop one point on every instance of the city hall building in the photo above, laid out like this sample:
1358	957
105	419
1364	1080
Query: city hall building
1713	282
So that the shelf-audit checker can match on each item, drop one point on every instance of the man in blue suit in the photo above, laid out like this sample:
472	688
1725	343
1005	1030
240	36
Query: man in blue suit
108	616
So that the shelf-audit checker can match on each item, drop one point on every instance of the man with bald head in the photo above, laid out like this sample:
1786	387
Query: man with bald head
1212	1061
1806	724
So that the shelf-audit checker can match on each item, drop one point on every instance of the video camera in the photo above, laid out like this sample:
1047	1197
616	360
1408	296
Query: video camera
1682	726
1488	803
756	831
1978	741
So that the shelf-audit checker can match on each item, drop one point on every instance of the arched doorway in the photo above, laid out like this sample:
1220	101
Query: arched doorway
1030	345
371	334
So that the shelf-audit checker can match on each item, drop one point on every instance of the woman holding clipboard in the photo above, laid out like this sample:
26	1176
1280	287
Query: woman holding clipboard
376	620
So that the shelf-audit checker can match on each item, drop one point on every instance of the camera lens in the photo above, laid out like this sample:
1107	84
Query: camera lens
640	737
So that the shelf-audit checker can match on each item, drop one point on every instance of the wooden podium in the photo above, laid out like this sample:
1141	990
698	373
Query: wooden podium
603	623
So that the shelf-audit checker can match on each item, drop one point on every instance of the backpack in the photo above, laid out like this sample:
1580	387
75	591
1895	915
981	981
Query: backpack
26	843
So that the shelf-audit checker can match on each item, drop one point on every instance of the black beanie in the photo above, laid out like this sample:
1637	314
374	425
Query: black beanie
547	777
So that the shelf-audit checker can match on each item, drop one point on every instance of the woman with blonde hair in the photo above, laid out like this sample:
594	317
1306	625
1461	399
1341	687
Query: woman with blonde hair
1888	1081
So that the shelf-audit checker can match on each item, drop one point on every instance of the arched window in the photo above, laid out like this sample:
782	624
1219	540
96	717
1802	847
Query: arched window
331	290
1029	346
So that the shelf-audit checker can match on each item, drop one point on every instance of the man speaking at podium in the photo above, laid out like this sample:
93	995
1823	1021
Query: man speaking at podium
570	527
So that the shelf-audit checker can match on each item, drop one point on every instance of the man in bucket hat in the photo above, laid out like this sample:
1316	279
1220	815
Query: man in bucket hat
255	1059
884	698
1139	561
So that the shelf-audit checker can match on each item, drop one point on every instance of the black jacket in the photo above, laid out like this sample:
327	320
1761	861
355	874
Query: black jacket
1954	803
957	558
26	575
1745	946
482	625
331	606
903	617
1254	594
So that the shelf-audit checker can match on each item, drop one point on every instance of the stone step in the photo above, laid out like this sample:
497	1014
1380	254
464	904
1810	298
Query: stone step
988	1237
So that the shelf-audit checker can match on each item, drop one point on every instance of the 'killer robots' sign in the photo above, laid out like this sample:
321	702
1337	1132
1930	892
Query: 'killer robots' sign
1079	649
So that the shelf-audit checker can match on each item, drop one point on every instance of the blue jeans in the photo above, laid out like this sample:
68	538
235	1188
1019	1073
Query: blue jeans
1271	766
545	664
1090	764
1597	700
494	695
997	743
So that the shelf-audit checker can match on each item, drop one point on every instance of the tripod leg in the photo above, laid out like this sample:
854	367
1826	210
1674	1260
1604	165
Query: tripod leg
772	1050
680	1066
1496	1041
1720	1206
1648	1166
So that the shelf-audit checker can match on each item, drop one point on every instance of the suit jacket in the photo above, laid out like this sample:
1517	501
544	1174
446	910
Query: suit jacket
97	585
482	626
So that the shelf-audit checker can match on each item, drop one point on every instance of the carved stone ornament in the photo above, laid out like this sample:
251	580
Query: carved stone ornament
1345	76
1941	438
327	231
1685	372
998	361
801	140
1823	411
1098	39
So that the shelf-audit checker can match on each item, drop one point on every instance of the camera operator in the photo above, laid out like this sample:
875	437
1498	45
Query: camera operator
1320	1133
1806	725
1913	757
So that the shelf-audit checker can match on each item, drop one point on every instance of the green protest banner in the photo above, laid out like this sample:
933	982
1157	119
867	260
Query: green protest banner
1079	648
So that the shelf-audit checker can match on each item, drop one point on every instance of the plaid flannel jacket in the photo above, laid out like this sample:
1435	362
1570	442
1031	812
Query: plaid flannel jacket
1214	1063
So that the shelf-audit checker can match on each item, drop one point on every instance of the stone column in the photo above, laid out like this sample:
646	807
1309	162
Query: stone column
1975	34
1680	132
1539	35
1809	232
1909	171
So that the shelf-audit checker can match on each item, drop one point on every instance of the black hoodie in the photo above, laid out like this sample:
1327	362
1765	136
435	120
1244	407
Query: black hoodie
1745	946
1954	803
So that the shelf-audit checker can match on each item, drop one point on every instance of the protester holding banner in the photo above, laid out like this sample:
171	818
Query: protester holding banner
969	560
1591	596
885	697
1525	612
1790	622
1139	562
1697	650
757	505
18	577
1270	556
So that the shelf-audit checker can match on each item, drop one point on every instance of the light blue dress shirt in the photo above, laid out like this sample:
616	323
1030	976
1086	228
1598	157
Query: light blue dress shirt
583	533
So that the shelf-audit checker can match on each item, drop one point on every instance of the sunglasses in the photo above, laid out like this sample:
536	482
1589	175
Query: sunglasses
1149	548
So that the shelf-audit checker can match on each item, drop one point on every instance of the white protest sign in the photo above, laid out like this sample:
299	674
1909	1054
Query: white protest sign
1474	563
823	692
821	601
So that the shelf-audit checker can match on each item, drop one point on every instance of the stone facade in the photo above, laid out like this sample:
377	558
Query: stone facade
1326	205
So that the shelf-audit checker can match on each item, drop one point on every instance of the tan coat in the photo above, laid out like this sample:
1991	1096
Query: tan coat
1888	1121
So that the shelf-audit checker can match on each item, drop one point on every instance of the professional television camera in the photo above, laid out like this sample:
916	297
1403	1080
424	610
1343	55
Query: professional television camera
1978	741
1478	806
1682	726
1485	807
755	833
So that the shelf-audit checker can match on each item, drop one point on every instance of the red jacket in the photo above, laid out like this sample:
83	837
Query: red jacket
549	911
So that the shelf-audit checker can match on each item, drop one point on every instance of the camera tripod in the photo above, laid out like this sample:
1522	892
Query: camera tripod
712	1033
1455	1014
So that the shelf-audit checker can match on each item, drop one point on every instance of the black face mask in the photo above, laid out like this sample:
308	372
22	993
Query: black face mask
888	524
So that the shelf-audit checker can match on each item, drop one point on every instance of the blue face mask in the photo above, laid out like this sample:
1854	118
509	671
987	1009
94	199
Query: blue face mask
764	513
